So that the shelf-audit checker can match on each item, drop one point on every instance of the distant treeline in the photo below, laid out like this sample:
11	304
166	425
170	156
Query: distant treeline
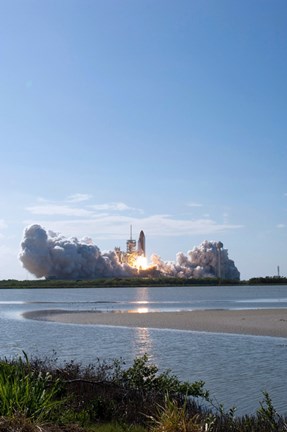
137	282
268	280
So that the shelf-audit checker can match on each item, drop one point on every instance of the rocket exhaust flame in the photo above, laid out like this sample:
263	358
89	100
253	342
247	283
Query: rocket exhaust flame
141	263
47	254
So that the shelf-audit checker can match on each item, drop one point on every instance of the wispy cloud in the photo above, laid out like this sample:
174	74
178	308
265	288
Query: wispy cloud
113	206
281	225
166	225
105	227
58	210
111	220
78	197
193	204
76	206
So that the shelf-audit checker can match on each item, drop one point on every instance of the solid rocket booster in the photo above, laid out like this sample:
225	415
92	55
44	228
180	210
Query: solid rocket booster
141	244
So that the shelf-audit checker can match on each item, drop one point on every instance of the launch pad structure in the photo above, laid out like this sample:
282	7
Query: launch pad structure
133	250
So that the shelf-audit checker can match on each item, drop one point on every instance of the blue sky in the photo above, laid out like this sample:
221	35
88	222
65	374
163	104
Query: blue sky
167	115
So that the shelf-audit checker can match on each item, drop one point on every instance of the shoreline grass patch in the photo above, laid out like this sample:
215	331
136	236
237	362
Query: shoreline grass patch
27	392
45	396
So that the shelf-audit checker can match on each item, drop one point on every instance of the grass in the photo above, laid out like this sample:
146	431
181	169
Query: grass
44	396
173	417
20	424
29	393
114	427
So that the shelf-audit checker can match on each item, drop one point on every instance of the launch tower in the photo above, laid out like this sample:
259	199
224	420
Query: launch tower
133	250
131	244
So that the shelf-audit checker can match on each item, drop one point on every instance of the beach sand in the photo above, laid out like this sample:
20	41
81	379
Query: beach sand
264	322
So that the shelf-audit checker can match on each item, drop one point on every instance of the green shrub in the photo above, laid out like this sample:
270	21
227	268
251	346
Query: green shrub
73	398
144	376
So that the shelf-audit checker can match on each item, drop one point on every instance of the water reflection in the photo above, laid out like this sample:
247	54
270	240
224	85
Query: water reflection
143	343
236	368
142	302
143	295
143	299
139	310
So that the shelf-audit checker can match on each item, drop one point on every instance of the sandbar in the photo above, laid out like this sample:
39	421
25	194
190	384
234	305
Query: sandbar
260	322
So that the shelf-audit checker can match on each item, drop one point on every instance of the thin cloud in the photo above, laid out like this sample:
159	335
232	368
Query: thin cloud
115	227
78	197
112	220
194	204
58	210
113	206
165	225
280	226
78	208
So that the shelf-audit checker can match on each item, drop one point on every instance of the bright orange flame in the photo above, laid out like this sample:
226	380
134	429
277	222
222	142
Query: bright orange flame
141	263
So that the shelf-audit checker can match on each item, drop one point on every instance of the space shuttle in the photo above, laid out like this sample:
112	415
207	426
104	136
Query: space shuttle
141	244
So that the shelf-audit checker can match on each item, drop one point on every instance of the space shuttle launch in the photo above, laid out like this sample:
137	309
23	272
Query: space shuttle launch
135	254
141	244
51	255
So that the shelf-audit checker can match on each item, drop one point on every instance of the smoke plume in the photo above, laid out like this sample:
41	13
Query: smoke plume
47	254
203	261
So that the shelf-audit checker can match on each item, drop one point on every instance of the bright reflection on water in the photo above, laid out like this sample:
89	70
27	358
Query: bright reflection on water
139	310
236	368
143	343
143	300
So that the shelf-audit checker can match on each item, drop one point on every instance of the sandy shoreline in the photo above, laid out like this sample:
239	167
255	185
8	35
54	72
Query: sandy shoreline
263	322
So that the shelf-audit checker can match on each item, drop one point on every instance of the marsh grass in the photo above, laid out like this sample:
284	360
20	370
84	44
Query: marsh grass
118	428
45	396
27	392
173	417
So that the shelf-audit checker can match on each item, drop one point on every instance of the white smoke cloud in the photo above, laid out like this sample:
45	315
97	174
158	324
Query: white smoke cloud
206	260
47	254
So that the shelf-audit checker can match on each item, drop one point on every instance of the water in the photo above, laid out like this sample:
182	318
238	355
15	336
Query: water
236	368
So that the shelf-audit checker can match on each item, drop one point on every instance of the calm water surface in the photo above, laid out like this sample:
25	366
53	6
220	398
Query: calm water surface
236	368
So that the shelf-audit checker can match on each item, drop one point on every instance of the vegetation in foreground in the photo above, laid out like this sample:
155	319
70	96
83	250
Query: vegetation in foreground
42	395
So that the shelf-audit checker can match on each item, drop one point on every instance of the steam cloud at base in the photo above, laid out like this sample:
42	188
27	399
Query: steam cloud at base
50	255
